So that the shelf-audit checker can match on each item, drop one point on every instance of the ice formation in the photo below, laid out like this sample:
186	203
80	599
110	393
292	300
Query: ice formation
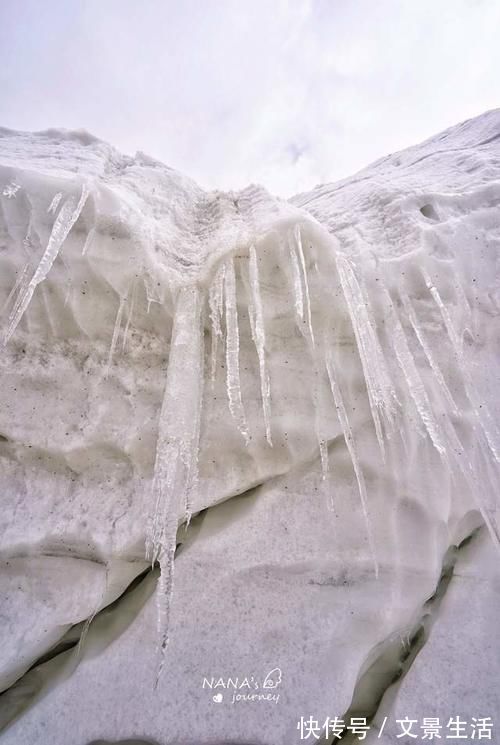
336	354
233	351
68	215
259	338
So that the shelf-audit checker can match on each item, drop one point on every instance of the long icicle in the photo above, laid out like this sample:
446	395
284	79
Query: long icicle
351	446
484	418
193	473
20	282
177	424
455	452
88	241
307	301
216	302
233	352
116	334
55	203
68	215
298	297
175	470
450	328
303	319
412	377
381	393
129	315
408	306
455	457
259	338
318	422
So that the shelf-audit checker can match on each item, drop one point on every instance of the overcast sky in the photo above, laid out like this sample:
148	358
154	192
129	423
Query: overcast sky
287	94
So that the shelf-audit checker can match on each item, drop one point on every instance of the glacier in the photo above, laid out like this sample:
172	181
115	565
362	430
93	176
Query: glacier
292	404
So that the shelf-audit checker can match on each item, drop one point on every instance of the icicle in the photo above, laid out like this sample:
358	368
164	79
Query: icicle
176	463
259	339
88	241
455	457
192	477
351	446
63	223
164	594
450	328
233	351
483	417
412	377
68	293
320	407
20	282
116	334
68	280
27	240
302	302
297	284
298	245
215	301
130	314
427	350
381	394
55	202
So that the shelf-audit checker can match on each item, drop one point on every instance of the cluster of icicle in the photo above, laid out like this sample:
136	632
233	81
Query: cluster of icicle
178	442
395	387
25	286
176	466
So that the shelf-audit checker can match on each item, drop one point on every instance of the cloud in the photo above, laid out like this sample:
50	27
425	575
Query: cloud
287	94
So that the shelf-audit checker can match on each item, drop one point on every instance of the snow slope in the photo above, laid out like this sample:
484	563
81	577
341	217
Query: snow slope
296	399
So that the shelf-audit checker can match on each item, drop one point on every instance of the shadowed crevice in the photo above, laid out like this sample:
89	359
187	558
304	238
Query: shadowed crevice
61	660
380	681
92	636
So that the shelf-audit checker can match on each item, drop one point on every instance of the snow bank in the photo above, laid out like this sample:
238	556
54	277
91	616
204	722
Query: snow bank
295	399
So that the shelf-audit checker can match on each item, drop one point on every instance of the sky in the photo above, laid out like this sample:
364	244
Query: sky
285	93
